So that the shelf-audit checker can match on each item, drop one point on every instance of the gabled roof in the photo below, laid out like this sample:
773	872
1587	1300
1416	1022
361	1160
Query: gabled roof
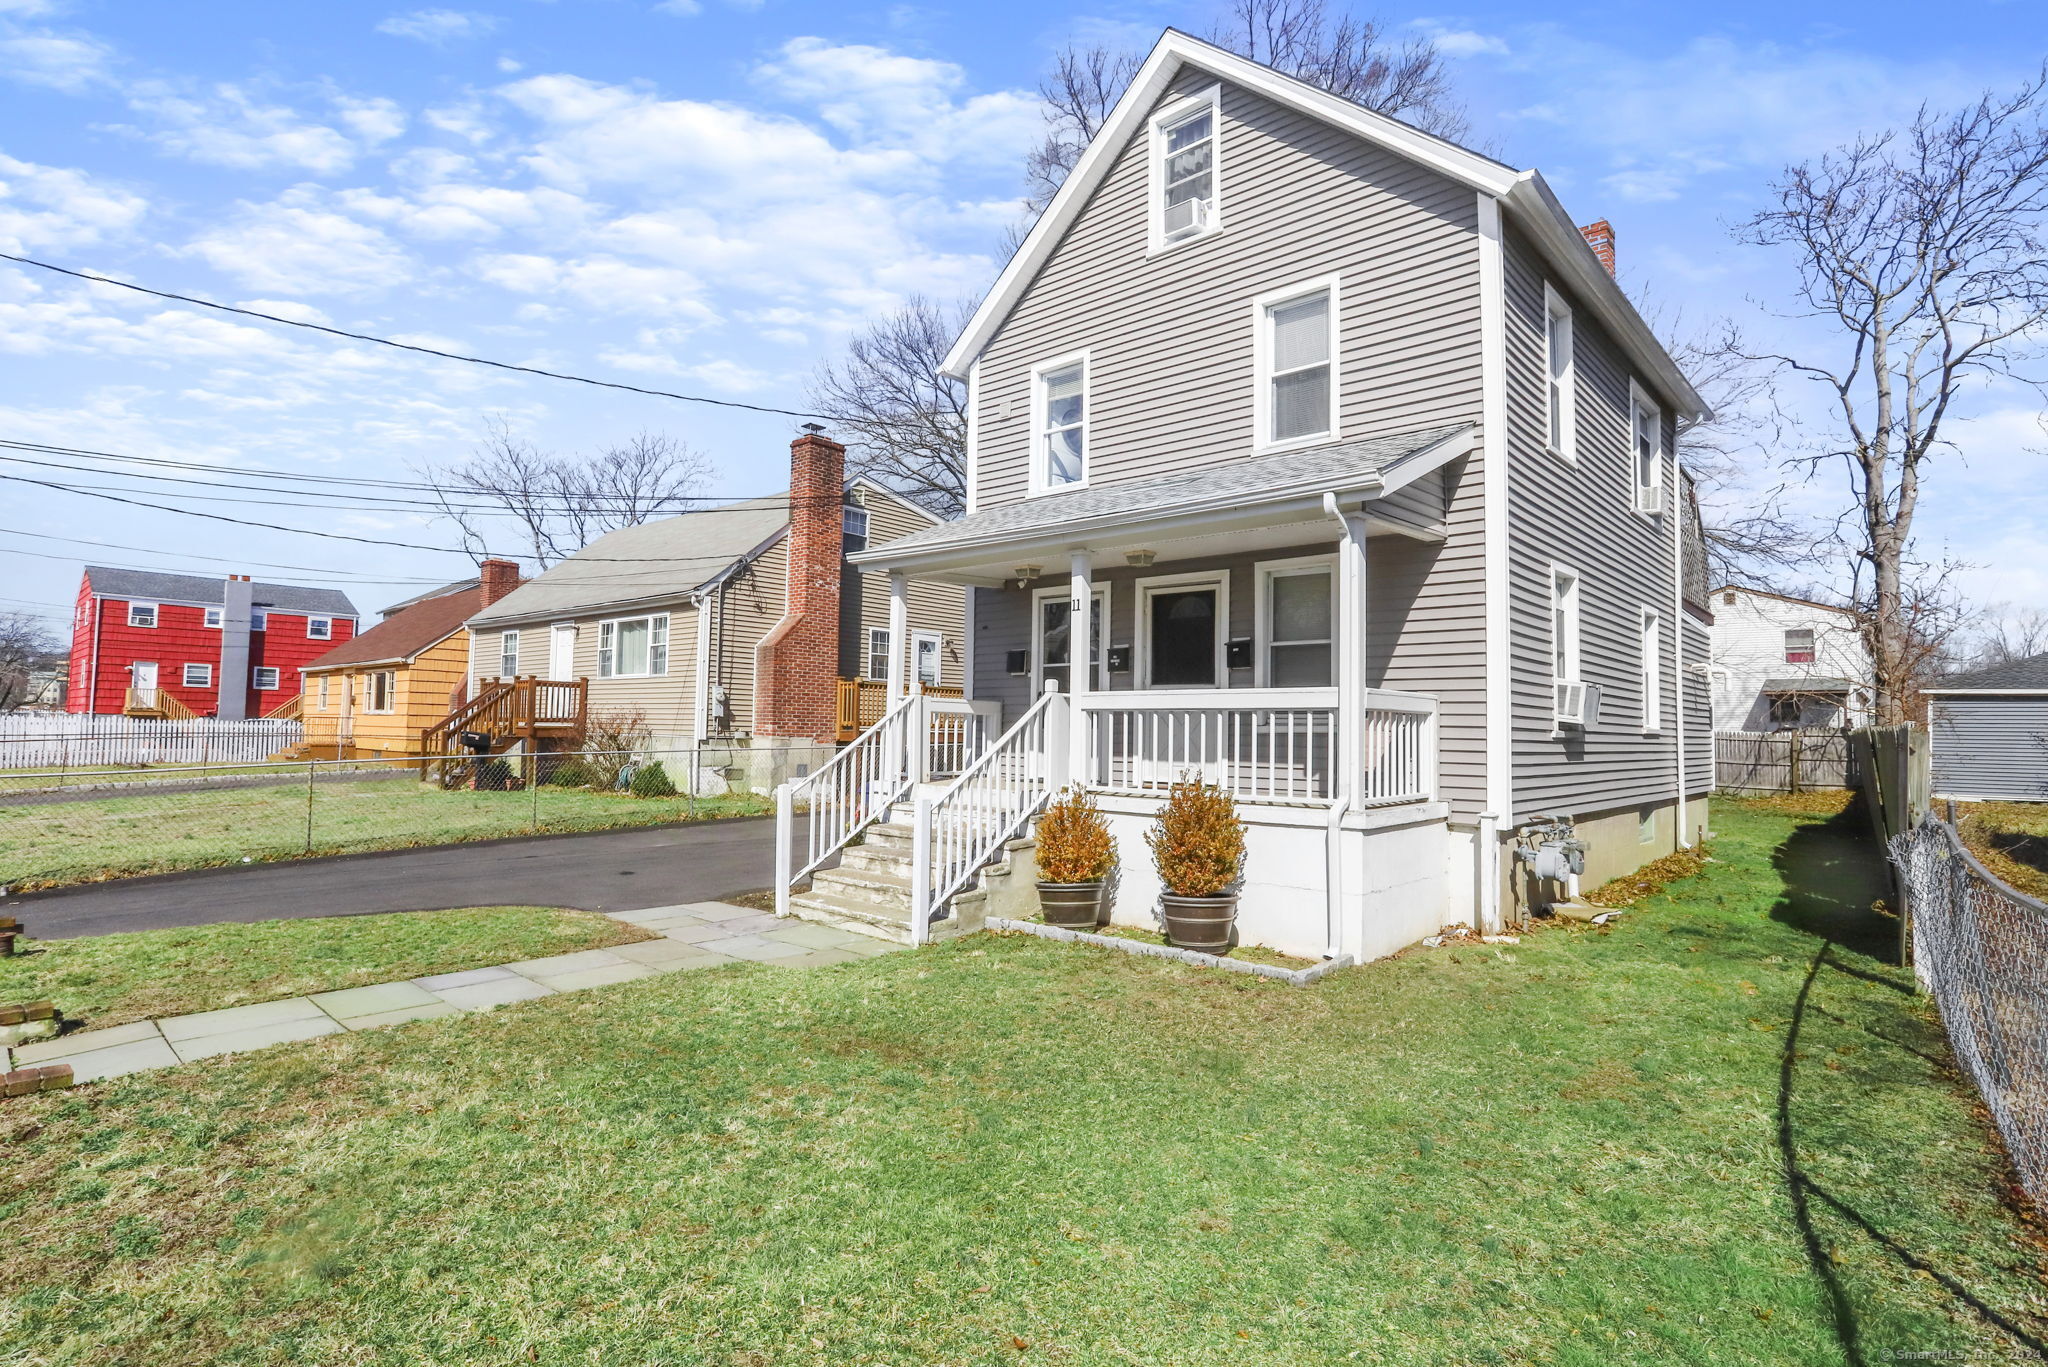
1371	464
2015	676
405	633
154	586
1781	597
402	604
1524	193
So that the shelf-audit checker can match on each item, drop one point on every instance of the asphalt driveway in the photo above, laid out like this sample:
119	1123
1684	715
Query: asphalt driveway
649	866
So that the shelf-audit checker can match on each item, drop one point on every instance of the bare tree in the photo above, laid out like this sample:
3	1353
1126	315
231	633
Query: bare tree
905	424
27	647
561	504
1922	251
2000	634
1348	56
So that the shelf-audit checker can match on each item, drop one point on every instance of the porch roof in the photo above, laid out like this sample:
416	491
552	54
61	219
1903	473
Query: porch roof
1257	489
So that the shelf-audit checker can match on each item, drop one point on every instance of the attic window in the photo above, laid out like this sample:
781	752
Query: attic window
1185	167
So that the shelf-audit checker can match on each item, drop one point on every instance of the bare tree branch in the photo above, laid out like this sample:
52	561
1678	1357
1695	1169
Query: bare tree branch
26	647
905	425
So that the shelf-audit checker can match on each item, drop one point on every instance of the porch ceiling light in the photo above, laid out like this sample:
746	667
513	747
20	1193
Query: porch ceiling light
1139	560
1029	572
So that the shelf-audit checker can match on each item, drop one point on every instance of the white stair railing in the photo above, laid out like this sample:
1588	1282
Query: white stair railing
846	794
960	830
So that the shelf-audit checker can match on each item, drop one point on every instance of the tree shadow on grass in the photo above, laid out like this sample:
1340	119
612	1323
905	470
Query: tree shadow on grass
1835	873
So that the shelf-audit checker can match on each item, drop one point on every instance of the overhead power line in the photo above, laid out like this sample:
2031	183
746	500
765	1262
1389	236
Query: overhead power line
215	559
406	346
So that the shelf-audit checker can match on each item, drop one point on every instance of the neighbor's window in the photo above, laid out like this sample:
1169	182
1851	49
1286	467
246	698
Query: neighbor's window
265	677
1652	672
213	616
1648	426
319	628
854	527
258	620
1299	628
1063	424
142	614
1564	628
633	647
1799	646
379	688
878	653
508	655
1186	173
198	676
1560	374
1296	392
323	692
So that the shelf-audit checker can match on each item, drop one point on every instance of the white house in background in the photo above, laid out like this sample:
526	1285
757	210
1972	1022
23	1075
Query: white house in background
1321	457
1778	663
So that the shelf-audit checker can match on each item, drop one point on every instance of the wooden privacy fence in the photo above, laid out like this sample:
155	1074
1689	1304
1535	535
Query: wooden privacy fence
64	740
1783	761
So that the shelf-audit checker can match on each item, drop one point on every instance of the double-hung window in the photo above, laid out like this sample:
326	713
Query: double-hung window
853	525
508	655
259	620
1647	442
1184	171
142	614
1799	646
319	628
1564	644
198	676
1652	670
1297	622
265	677
212	618
633	647
1560	377
379	690
1062	409
323	692
1296	352
878	653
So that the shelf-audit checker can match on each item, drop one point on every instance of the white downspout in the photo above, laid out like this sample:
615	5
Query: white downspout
1493	408
1678	676
701	703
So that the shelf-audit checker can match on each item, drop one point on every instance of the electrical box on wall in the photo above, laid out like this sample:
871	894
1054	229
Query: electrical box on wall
1238	654
1119	659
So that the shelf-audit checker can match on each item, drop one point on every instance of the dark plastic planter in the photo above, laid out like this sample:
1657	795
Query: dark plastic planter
1207	925
1075	906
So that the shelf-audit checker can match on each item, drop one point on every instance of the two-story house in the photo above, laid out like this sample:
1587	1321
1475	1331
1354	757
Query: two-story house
1325	458
1779	663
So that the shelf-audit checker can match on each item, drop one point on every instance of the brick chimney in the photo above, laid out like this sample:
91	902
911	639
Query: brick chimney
1600	237
500	577
799	660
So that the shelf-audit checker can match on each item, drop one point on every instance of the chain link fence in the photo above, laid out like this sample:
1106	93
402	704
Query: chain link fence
70	826
1981	949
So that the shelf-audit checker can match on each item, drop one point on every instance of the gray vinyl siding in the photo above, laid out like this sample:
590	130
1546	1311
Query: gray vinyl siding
1990	747
935	608
1170	341
663	700
1581	515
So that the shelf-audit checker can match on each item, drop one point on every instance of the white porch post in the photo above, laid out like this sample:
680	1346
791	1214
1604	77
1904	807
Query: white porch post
899	636
1352	602
700	701
1080	668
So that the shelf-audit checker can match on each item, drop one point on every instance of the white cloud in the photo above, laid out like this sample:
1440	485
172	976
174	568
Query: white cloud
602	282
1460	42
297	245
684	8
26	8
47	205
874	95
438	25
50	59
226	125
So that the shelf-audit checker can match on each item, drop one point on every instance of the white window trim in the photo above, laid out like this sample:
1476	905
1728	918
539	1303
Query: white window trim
1039	484
1155	176
185	679
259	620
1556	307
1142	647
1574	660
939	645
870	654
256	678
1102	603
327	629
1262	359
390	693
610	626
1639	398
1650	671
213	618
156	614
508	644
1264	572
322	705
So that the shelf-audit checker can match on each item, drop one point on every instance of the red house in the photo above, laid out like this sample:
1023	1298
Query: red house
175	645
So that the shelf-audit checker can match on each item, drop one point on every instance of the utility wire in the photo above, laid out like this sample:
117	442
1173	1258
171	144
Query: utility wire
216	559
407	346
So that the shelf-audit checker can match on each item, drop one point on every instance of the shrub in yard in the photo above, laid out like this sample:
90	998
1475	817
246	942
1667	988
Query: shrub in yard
1198	841
1074	844
570	771
651	780
493	775
610	736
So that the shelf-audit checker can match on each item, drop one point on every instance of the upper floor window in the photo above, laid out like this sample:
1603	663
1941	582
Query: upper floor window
1799	646
1560	376
1184	171
259	620
1647	431
853	525
213	618
1062	408
319	628
1297	364
142	614
265	677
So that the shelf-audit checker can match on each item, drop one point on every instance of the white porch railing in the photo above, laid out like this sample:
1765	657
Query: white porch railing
1400	749
844	795
962	828
956	731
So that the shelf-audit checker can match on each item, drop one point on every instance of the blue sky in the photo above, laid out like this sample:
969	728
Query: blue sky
707	195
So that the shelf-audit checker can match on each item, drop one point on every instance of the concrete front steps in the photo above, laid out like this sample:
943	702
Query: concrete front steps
870	890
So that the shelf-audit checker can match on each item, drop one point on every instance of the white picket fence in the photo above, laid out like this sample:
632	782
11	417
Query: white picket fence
50	740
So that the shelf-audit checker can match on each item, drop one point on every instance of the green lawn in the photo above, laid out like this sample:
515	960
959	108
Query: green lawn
1008	1150
113	979
46	844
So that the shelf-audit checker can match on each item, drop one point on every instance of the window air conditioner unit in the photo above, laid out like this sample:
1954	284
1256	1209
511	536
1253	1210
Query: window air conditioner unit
1188	216
1650	499
1578	704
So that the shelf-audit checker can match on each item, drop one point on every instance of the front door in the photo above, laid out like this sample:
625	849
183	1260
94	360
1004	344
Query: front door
562	653
1182	640
925	655
143	675
1055	649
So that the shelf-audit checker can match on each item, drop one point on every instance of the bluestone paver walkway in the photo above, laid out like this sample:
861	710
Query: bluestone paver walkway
695	935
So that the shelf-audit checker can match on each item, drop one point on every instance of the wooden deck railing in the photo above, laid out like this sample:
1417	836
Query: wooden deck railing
863	701
156	702
290	709
508	710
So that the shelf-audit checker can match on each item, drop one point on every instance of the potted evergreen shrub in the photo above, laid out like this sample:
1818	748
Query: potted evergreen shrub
1198	847
1076	855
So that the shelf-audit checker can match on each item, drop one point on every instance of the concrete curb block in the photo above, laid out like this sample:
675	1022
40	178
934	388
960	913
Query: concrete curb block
1293	977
